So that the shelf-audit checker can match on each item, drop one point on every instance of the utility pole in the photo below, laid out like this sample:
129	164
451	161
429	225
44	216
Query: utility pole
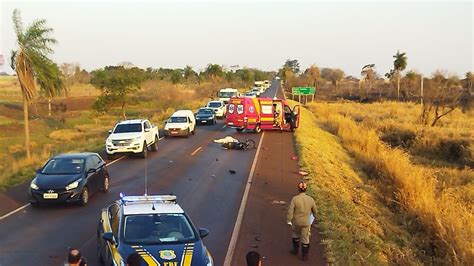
421	91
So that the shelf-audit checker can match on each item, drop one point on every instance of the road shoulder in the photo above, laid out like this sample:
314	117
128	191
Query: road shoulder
264	227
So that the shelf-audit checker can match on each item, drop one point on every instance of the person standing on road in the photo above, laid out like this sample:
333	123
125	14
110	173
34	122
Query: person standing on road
299	217
75	258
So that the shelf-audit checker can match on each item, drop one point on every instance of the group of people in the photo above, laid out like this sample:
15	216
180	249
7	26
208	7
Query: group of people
298	217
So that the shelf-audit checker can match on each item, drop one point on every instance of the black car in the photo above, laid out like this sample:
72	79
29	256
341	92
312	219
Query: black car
69	178
205	116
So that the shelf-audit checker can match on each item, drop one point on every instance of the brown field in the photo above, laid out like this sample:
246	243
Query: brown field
73	126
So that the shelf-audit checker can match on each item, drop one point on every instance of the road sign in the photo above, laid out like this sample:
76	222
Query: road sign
303	90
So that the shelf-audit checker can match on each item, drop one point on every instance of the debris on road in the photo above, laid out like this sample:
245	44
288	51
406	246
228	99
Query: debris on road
303	173
279	202
232	172
294	157
257	238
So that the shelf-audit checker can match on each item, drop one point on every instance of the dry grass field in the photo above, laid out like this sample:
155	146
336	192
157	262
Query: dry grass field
389	189
73	126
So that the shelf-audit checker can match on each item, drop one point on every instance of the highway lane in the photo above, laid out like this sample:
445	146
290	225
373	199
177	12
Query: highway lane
186	167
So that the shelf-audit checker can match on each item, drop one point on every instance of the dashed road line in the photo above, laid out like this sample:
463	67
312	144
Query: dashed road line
28	204
196	150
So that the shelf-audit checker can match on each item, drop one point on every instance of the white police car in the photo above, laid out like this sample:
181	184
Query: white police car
156	228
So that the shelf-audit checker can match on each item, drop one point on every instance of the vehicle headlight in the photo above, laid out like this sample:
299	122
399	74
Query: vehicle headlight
108	141
137	139
33	185
73	185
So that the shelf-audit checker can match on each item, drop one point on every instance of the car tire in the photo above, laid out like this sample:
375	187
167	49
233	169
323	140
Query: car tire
257	129
154	146
194	131
144	152
106	184
84	198
239	130
214	121
35	204
188	133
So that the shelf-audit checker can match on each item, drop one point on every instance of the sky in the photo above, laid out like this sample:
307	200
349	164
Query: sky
261	34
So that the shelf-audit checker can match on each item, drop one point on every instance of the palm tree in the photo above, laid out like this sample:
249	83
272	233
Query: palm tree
369	75
399	64
31	63
51	85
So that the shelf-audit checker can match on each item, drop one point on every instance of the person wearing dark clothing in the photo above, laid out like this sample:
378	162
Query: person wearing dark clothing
133	259
253	259
75	258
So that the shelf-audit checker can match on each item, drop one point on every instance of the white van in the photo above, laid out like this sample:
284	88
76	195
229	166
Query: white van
181	123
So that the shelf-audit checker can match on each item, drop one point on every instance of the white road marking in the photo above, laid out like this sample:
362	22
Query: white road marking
14	211
243	204
224	126
195	151
116	160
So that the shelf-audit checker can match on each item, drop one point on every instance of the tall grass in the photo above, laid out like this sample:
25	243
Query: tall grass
356	226
446	223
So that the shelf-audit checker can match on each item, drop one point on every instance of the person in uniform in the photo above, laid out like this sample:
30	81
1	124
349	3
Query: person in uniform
299	212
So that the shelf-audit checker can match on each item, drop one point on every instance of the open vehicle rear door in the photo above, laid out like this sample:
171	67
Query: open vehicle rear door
296	116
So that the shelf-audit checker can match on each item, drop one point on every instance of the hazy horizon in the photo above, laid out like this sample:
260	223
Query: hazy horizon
345	35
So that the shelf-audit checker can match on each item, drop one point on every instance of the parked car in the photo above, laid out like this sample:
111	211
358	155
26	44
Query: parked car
132	136
218	107
181	123
155	227
257	91
205	116
69	178
251	94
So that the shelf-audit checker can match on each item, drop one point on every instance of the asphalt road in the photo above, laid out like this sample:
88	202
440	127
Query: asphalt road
194	168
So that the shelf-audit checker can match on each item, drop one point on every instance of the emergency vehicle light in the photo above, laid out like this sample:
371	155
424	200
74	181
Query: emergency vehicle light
147	198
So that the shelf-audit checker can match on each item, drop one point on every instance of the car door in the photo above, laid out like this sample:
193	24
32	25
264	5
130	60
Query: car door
113	220
296	116
147	132
91	177
101	171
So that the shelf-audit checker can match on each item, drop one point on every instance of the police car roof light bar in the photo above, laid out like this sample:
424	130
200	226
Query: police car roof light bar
147	198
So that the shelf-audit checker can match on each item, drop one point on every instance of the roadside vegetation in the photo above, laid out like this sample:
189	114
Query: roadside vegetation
385	197
391	162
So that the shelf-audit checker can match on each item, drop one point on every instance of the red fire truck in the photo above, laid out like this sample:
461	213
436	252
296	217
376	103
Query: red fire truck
261	114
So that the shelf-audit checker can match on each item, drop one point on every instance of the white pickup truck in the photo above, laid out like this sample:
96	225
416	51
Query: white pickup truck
132	136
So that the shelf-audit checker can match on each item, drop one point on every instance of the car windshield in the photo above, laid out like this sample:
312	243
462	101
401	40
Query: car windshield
65	166
127	128
177	119
227	94
205	112
146	229
214	104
